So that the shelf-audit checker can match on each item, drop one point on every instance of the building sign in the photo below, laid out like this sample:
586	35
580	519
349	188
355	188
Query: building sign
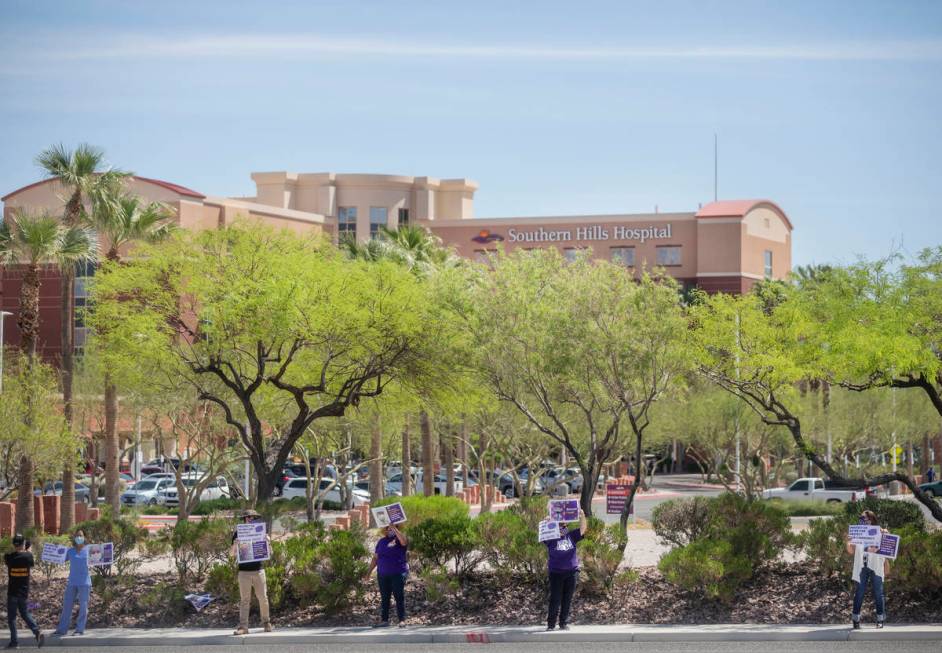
590	232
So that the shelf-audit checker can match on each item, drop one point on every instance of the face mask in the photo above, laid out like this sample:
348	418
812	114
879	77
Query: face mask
79	541
863	520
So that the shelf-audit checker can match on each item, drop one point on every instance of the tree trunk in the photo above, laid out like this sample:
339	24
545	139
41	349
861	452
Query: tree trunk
626	511
28	318
428	472
67	360
448	460
112	447
463	454
483	480
376	462
406	460
24	497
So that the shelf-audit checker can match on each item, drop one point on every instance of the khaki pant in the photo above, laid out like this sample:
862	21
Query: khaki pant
249	580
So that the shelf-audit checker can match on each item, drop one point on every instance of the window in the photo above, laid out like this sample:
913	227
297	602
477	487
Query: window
768	263
570	253
346	222
84	274
668	255
378	219
799	486
624	256
403	217
818	484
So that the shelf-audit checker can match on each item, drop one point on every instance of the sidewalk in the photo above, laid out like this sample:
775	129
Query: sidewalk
127	637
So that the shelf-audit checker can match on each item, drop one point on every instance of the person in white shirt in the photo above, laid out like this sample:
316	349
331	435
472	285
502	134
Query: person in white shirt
869	567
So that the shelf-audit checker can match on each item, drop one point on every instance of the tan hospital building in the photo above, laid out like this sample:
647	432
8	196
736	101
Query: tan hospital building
721	246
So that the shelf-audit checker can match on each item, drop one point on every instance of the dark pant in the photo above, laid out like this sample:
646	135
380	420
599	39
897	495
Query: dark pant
18	604
392	585
562	585
861	589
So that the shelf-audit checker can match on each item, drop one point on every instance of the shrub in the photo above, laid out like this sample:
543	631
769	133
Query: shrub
124	533
222	582
509	545
438	541
601	553
891	514
825	545
808	508
212	506
419	508
757	530
164	602
918	566
681	521
709	567
196	546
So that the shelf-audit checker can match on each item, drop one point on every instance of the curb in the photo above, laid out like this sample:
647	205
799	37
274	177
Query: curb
128	637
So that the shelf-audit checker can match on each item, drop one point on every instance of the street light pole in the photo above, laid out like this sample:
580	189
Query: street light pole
3	316
738	446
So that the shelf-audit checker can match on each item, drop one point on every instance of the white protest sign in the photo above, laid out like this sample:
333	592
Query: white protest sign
54	553
251	531
252	543
394	513
100	555
864	534
549	530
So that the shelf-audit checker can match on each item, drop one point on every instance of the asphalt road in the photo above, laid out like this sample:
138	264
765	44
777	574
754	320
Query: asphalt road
563	647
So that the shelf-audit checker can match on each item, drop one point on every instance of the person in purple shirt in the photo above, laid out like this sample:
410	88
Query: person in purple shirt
563	566
392	567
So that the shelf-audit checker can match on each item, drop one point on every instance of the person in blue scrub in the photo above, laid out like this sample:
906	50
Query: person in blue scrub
78	587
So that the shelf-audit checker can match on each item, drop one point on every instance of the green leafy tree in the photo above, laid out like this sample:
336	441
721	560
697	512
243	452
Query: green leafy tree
278	330
82	173
581	349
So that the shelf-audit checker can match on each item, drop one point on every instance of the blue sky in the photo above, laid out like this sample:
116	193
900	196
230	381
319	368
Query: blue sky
829	108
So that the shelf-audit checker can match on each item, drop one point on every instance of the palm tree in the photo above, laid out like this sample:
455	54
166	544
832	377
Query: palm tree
34	242
422	253
82	173
122	220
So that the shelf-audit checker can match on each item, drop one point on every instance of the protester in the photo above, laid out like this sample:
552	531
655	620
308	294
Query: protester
251	576
930	475
869	567
563	566
19	562
392	568
77	587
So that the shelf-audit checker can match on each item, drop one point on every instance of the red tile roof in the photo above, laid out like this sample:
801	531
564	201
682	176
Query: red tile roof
739	208
176	188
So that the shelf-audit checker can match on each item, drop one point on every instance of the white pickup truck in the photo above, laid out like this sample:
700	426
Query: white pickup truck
813	489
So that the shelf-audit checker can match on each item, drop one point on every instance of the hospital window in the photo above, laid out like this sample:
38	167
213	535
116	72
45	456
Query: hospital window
768	263
403	217
668	255
377	219
346	222
624	256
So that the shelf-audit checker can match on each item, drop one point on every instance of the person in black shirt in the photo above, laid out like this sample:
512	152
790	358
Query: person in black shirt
251	576
18	565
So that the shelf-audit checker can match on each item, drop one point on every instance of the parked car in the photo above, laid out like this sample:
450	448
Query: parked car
286	475
439	484
505	483
146	492
297	487
83	493
215	489
813	489
932	489
153	477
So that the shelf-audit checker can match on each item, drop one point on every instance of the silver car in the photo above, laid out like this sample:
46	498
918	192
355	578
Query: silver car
146	492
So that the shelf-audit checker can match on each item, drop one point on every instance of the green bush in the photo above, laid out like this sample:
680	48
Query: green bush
164	604
124	533
891	514
509	545
419	508
196	546
212	506
601	553
222	582
918	566
708	567
808	508
438	541
757	530
681	521
824	544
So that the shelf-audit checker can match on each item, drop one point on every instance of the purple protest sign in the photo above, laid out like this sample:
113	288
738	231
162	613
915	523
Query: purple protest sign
564	510
889	546
396	513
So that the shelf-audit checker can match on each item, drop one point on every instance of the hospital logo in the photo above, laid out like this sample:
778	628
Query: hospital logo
485	236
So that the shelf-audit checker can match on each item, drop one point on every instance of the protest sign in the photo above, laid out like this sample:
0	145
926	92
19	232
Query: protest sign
199	601
889	546
616	496
394	513
564	510
100	555
864	534
252	544
549	530
250	531
54	553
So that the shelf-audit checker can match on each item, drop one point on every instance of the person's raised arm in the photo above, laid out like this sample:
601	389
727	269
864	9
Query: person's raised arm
583	522
400	536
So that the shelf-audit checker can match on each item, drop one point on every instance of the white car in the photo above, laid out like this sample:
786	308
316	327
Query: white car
297	487
145	492
215	489
439	484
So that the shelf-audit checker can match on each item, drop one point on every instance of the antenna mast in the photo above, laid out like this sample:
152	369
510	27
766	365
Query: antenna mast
715	167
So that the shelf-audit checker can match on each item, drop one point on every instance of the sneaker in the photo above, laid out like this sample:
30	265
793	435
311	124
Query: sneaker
548	628
402	624
77	633
879	624
12	645
241	631
268	627
381	624
40	640
564	627
856	625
